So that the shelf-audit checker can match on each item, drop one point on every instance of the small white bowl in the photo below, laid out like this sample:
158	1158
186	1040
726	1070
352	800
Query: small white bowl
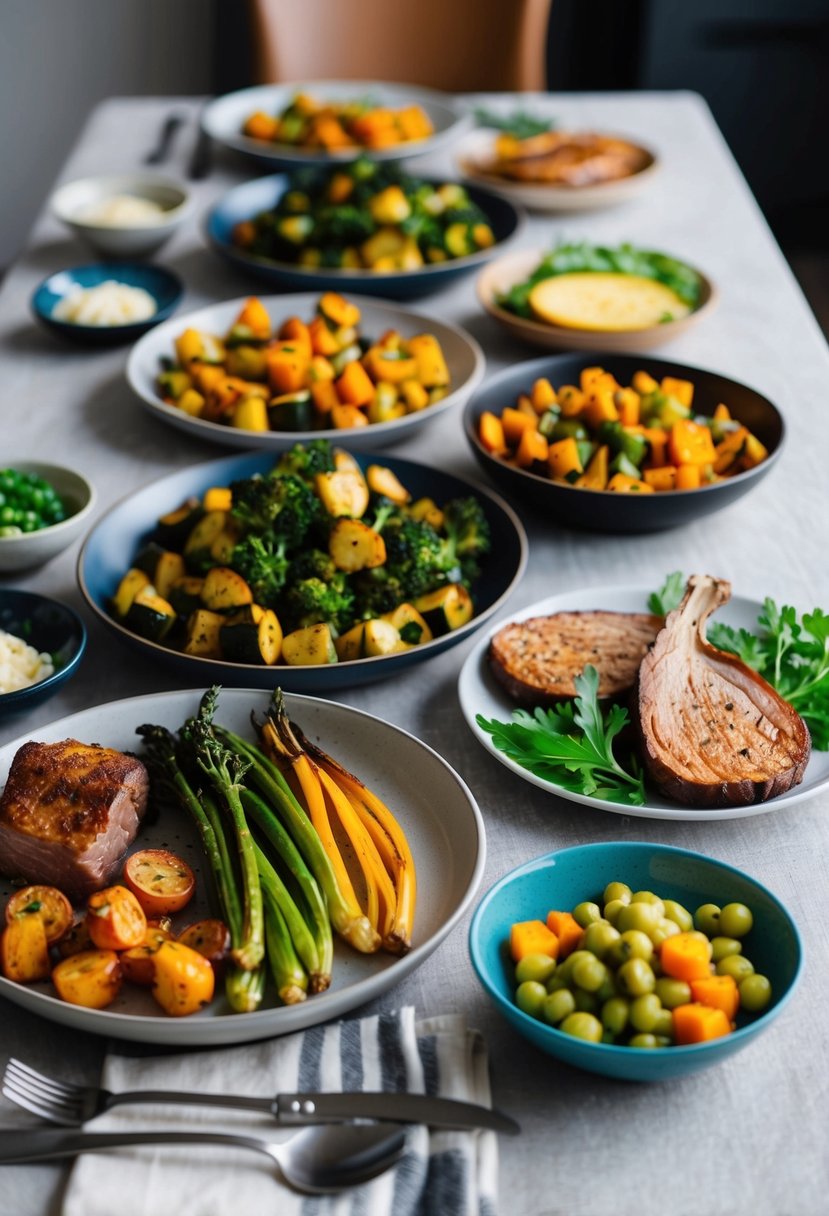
32	549
122	240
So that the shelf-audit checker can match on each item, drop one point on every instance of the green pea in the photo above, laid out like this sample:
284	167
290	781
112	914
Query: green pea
672	992
586	913
557	1006
586	1002
582	1026
635	978
735	920
612	910
755	993
707	919
599	937
735	965
665	928
589	973
648	897
643	1040
679	915
721	947
617	890
537	967
644	1011
639	915
633	943
530	996
664	1024
607	989
615	1014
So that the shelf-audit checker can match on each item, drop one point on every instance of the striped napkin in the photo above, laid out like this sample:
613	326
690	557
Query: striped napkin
448	1172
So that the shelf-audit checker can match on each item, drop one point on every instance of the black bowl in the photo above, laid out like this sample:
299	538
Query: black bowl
51	628
604	510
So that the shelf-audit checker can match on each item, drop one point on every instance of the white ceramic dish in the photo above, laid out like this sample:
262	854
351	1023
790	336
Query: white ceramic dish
124	241
464	358
436	809
224	118
32	549
480	693
499	276
475	159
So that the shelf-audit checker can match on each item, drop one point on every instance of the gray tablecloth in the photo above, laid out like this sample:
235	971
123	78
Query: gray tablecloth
750	1135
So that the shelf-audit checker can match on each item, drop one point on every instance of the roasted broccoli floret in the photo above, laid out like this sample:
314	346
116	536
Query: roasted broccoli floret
310	601
313	563
375	593
277	508
467	537
263	565
415	554
305	460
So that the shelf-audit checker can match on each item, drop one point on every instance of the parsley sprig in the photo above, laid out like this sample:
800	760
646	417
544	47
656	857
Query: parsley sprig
571	745
519	124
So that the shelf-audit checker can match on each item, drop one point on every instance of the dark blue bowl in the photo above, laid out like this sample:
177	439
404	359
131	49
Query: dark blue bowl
165	288
246	201
110	547
50	627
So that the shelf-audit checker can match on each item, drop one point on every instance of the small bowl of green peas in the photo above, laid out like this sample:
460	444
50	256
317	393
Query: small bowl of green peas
43	509
652	942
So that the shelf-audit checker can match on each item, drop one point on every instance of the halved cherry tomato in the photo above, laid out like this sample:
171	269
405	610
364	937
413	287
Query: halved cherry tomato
160	881
210	937
115	919
91	979
48	904
184	981
137	962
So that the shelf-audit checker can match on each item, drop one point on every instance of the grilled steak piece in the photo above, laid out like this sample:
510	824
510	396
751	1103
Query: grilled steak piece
537	660
68	813
712	731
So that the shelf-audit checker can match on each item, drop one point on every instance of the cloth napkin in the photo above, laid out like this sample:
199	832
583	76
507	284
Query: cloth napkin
452	1173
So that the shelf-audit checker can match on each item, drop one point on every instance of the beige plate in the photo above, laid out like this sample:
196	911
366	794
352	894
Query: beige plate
476	157
515	267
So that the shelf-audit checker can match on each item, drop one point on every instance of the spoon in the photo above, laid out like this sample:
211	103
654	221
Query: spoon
316	1161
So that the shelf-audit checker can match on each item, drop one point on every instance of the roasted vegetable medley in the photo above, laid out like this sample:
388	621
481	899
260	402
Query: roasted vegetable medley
314	563
599	435
319	375
639	971
308	122
367	216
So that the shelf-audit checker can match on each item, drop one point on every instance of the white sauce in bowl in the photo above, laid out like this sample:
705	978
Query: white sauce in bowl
20	664
109	303
121	211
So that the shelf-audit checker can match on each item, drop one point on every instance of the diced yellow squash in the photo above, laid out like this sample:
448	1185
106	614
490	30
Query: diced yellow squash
383	481
620	483
354	546
311	647
682	390
191	402
350	645
250	414
224	590
563	458
202	638
410	624
380	637
432	370
217	498
595	475
343	492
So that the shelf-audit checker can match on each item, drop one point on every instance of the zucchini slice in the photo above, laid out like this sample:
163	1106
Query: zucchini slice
252	641
150	615
132	582
224	590
446	609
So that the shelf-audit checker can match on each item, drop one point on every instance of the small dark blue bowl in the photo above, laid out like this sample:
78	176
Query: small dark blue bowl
248	200
51	628
165	288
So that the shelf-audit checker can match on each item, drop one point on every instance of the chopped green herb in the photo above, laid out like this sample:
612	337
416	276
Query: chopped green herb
669	595
518	124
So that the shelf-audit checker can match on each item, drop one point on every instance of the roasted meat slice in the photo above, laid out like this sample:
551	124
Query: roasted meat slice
713	732
68	813
537	660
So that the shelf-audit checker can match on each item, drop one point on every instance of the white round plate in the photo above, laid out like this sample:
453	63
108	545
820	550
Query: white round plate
224	118
464	359
435	808
480	693
475	160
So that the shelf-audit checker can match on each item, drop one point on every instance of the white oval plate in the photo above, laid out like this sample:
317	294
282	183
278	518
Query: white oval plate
224	118
434	806
464	359
480	693
475	159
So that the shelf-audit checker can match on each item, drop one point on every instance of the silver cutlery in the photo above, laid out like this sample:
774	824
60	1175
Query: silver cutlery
201	158
71	1105
316	1161
161	150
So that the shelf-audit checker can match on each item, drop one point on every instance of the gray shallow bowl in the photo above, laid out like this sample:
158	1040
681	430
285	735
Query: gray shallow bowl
605	510
36	548
122	240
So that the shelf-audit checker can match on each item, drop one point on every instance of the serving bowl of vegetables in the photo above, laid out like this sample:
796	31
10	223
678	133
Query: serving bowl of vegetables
364	227
278	370
622	443
589	297
321	122
314	570
43	509
42	642
642	962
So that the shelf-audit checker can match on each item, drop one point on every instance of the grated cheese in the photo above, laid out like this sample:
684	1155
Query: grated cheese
20	664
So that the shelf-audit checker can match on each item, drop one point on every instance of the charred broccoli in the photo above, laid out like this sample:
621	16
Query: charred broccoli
467	537
305	460
264	567
280	509
310	601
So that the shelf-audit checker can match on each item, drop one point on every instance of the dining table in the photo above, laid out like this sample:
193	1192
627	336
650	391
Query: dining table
747	1136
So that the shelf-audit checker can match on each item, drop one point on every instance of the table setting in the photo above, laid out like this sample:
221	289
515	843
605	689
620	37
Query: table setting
653	473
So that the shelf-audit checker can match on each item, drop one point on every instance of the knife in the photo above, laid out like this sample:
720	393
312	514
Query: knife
161	150
293	1110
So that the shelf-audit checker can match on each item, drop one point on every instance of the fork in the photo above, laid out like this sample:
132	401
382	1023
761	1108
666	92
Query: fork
72	1105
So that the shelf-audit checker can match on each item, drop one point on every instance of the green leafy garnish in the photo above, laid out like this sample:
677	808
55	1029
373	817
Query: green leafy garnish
518	124
624	259
669	595
571	745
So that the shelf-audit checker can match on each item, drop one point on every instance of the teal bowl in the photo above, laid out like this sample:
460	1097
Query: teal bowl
563	879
